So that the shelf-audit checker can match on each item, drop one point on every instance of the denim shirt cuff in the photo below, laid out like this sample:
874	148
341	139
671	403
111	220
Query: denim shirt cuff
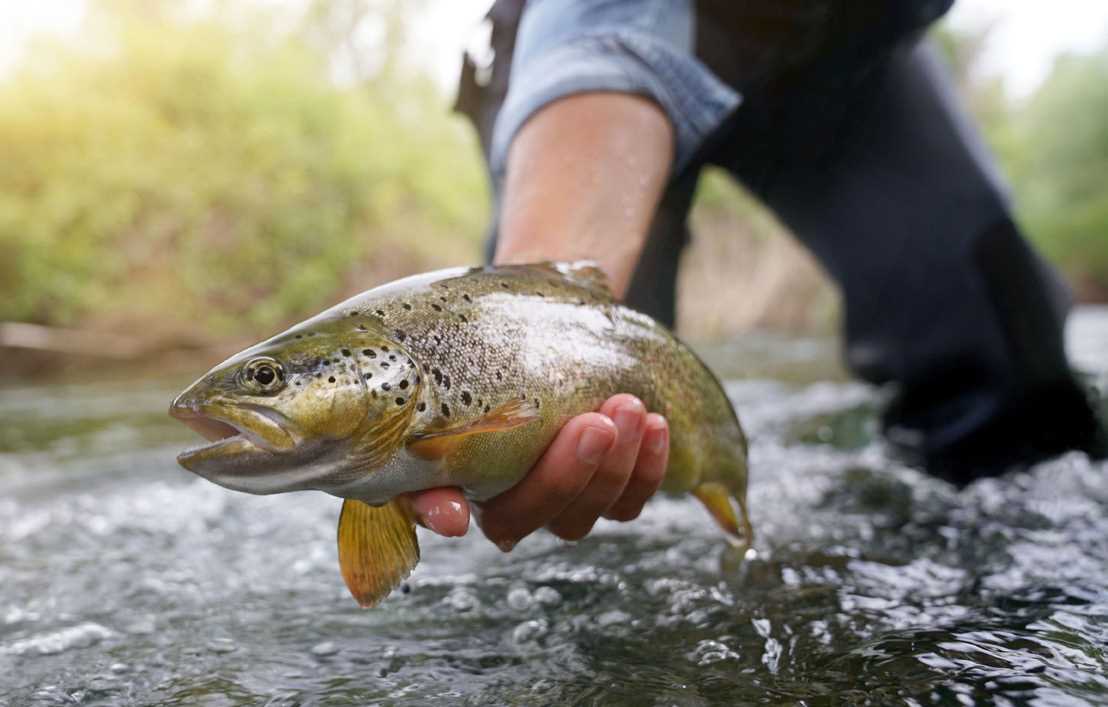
695	101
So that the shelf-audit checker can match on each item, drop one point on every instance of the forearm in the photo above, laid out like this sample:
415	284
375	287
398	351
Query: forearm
584	177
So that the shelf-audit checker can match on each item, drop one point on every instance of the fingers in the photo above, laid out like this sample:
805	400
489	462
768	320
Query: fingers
611	476
442	510
650	470
559	477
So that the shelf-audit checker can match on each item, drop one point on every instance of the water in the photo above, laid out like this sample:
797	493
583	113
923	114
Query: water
125	580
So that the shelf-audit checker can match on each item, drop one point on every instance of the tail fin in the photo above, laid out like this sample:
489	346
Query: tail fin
378	548
717	499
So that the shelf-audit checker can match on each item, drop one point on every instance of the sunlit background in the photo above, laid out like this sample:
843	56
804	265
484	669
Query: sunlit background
194	174
181	177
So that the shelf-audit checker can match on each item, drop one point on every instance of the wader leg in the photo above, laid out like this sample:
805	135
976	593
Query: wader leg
895	193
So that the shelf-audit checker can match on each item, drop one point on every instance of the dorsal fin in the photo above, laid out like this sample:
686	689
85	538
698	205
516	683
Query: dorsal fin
583	273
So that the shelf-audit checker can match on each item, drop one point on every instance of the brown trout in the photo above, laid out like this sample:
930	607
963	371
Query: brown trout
459	377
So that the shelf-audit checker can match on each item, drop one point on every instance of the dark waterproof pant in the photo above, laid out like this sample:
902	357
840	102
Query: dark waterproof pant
865	154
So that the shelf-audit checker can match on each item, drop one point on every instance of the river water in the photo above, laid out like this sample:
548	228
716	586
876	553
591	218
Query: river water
126	581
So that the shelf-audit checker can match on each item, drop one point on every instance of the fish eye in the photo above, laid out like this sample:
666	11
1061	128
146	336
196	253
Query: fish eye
263	375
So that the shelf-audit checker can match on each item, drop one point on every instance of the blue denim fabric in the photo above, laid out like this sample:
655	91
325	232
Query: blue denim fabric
644	47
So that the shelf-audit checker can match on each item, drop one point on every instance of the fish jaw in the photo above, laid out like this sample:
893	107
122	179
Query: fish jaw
250	449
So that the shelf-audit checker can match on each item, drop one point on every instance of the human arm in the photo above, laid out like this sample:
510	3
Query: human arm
605	105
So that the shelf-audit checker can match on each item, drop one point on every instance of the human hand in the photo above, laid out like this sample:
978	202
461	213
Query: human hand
605	463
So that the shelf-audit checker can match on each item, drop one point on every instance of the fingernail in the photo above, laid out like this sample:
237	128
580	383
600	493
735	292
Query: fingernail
656	440
505	545
429	518
592	445
629	417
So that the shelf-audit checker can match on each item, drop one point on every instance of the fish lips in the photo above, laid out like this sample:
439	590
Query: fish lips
244	439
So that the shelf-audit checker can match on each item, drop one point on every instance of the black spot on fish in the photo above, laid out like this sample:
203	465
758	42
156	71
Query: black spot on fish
379	312
400	401
331	379
442	299
417	380
436	307
361	327
299	336
487	408
445	410
467	298
421	407
384	348
384	365
540	294
466	397
537	403
386	386
446	381
438	376
368	376
403	384
463	318
499	376
298	382
407	306
504	285
400	336
392	357
354	313
346	352
369	352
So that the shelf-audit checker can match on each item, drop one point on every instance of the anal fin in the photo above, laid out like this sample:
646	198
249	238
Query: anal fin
378	548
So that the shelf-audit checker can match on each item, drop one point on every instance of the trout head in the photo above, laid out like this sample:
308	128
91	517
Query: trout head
317	407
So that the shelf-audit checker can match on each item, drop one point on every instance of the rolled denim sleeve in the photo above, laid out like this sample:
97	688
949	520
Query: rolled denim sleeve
644	47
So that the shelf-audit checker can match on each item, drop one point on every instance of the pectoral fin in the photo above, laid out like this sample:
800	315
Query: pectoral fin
440	443
717	499
377	548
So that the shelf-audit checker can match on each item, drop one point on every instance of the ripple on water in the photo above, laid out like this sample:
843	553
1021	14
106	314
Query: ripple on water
125	581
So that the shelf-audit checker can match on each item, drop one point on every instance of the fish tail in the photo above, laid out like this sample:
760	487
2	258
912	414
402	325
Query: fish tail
717	499
378	547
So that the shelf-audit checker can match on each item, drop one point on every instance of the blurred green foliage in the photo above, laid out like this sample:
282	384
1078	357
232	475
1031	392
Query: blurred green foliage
1062	179
1053	146
213	172
210	174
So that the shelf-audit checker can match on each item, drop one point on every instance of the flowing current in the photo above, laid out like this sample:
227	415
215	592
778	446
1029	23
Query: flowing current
125	580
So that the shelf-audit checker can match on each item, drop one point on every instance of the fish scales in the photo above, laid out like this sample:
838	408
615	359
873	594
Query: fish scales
459	377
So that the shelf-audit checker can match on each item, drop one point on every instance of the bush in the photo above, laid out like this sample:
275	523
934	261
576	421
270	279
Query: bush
215	177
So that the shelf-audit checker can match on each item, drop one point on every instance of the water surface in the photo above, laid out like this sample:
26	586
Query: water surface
125	580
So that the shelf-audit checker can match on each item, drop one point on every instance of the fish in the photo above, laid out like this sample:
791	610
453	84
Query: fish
459	377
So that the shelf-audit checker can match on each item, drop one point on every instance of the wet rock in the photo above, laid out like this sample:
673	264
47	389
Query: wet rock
520	599
547	596
222	645
324	649
54	642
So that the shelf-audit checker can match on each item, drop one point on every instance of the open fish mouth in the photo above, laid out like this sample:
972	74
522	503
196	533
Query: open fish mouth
232	431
